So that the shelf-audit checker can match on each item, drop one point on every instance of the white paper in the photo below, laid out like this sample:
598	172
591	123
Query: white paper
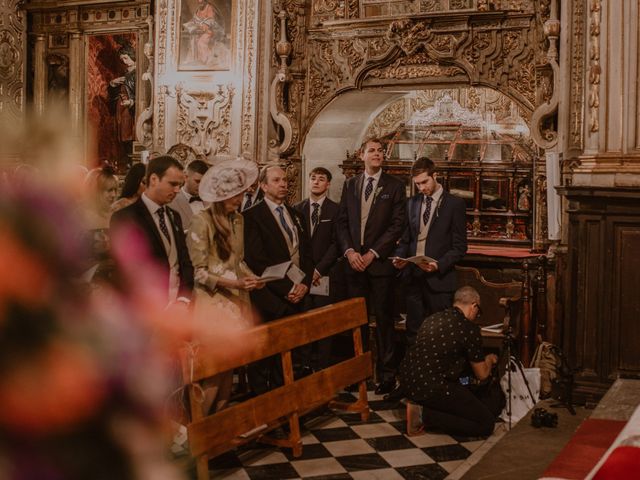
275	272
322	288
295	274
417	259
497	328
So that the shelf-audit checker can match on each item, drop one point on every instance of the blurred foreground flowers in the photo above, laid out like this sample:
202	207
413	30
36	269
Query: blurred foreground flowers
85	373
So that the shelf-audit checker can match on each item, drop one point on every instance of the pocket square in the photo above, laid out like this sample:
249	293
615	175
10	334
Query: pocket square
385	196
325	220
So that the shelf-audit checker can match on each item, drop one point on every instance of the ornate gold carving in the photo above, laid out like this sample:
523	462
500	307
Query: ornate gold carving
388	120
12	41
415	66
144	133
577	72
163	13
594	66
161	105
204	120
247	107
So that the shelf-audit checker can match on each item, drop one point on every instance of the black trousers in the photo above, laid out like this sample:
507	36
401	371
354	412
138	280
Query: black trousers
461	412
378	293
422	301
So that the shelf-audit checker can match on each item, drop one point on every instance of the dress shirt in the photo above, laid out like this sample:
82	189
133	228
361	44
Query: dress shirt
196	206
272	206
320	201
424	229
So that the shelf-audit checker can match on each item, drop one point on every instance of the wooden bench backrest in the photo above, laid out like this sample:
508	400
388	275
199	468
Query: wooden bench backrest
276	337
491	294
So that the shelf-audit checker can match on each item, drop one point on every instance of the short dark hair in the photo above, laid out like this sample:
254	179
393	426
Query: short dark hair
321	171
198	166
371	139
422	165
262	178
160	165
132	180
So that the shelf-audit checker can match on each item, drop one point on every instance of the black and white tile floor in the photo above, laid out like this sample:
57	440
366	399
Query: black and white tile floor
341	446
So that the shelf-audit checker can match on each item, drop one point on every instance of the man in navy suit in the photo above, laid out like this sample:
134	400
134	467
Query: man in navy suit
319	214
371	219
437	229
161	226
274	233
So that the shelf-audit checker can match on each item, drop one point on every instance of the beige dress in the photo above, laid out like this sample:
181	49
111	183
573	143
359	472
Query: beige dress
212	302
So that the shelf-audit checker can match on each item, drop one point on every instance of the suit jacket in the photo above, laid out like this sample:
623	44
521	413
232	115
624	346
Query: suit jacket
265	245
446	241
385	223
182	206
138	215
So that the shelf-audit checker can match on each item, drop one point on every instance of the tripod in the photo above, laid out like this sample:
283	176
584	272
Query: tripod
508	348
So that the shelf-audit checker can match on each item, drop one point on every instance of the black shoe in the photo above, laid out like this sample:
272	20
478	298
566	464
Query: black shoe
384	387
394	395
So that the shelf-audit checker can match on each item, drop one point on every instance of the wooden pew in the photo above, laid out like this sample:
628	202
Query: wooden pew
211	435
502	302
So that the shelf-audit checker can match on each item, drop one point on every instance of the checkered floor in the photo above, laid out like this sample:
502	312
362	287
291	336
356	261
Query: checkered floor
341	446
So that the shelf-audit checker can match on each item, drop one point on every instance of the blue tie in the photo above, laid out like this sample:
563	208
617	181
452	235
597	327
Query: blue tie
283	222
427	209
163	224
368	189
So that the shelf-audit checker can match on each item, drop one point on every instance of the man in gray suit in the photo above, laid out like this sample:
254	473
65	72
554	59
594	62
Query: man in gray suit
187	202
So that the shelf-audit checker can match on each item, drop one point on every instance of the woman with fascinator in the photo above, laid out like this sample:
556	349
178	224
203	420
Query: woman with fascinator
216	246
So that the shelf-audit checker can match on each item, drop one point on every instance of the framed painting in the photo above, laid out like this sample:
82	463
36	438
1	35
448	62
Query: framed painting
206	34
111	97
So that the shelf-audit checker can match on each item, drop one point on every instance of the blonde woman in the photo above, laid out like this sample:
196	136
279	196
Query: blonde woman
216	246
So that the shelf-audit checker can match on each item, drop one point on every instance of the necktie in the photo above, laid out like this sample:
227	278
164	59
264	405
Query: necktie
247	202
315	215
368	189
283	222
195	198
163	224
427	209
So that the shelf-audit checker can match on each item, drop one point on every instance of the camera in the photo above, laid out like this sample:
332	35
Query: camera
541	418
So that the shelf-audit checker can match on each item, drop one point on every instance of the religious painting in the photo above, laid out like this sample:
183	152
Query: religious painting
111	97
58	79
206	34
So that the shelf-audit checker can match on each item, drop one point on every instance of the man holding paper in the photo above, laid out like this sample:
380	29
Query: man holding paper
273	234
319	214
436	229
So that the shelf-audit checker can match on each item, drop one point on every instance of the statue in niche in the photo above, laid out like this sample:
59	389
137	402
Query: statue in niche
57	78
122	93
524	198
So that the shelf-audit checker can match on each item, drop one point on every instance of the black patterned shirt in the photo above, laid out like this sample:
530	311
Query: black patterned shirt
446	344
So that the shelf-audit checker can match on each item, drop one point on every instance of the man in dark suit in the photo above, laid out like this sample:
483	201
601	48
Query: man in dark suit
319	214
371	219
437	229
252	196
160	226
274	233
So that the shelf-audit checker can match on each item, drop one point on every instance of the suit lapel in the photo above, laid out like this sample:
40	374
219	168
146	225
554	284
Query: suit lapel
377	192
305	213
149	223
271	224
415	212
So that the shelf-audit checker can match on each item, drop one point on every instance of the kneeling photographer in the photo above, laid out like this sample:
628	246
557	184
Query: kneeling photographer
448	348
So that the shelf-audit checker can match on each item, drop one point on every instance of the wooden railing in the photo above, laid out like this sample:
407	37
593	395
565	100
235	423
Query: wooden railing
211	435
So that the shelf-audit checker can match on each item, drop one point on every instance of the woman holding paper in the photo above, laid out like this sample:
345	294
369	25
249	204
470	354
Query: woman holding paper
216	246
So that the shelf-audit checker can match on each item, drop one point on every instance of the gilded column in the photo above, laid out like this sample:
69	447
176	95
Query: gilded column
39	77
75	82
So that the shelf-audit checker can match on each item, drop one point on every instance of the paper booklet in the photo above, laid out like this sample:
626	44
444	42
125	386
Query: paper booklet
295	274
417	259
275	272
322	288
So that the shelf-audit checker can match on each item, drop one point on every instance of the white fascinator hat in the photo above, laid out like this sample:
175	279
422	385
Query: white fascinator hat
227	179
